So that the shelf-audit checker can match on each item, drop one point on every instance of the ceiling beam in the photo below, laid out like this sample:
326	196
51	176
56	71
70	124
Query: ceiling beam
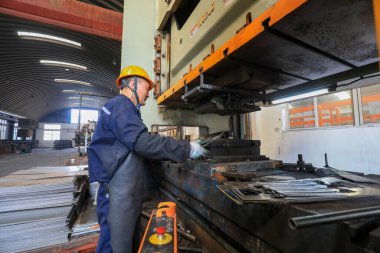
68	14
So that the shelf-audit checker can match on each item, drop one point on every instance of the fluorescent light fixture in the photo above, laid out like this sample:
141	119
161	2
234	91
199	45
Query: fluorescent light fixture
77	91
72	81
300	96
90	99
63	64
48	37
343	95
71	91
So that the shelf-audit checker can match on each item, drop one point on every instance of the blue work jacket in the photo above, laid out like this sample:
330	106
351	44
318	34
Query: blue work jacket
120	130
116	132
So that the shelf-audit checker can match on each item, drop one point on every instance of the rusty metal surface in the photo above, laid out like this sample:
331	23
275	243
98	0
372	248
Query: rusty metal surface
263	224
231	230
238	170
209	244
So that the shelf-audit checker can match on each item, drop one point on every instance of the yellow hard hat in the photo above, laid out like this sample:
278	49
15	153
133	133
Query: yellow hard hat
133	70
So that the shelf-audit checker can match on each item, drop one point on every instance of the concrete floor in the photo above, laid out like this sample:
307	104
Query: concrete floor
38	157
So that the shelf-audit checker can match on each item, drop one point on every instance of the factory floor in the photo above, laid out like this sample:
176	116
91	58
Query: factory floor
38	157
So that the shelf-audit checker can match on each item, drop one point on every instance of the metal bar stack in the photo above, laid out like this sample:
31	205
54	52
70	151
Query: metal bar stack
39	216
294	191
87	222
63	144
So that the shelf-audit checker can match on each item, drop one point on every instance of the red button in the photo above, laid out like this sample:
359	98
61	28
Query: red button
161	230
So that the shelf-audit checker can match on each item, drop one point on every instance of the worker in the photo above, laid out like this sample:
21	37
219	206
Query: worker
117	153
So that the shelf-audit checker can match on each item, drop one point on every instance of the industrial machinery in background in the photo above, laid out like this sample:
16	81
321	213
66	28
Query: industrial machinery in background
83	134
83	137
233	57
25	132
25	128
180	132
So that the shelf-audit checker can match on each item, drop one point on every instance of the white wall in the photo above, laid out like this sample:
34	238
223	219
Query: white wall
67	133
137	49
348	148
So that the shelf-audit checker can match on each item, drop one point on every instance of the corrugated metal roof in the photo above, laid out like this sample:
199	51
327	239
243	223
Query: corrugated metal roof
27	87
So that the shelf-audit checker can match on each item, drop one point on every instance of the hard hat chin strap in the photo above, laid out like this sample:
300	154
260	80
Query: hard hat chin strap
125	84
135	92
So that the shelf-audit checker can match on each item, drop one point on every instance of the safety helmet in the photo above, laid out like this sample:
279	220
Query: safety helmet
131	71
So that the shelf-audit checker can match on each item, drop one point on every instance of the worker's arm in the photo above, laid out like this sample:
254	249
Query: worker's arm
159	147
129	129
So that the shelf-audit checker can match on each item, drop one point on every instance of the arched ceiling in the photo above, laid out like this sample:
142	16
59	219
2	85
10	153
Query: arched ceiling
28	88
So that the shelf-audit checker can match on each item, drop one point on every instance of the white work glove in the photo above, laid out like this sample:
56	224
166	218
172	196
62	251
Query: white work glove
197	151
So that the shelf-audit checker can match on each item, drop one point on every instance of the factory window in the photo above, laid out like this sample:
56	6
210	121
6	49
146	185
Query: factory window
329	110
3	129
370	97
52	132
85	116
15	131
301	114
335	109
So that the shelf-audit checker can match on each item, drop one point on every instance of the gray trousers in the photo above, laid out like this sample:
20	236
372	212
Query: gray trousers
125	204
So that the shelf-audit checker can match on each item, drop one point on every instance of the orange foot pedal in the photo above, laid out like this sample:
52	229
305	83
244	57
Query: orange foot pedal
161	232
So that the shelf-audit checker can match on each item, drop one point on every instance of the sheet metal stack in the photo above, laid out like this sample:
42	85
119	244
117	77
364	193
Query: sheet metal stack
39	215
294	191
87	222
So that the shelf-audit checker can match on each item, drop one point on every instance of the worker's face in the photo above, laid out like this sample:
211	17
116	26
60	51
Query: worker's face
143	90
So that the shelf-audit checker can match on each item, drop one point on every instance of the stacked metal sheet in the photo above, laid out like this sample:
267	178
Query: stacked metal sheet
38	216
24	236
87	222
291	191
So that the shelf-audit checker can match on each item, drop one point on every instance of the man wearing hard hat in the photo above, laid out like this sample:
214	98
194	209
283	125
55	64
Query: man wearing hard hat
117	153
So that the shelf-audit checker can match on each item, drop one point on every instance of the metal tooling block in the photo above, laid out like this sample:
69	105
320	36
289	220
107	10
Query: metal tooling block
241	170
232	147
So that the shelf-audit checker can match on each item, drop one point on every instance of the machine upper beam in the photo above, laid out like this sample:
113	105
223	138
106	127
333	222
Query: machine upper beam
276	13
73	15
286	51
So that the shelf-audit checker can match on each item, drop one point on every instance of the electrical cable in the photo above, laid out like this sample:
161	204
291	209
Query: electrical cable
360	78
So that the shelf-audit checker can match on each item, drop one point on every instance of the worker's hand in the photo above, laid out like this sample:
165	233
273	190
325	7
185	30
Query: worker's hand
197	150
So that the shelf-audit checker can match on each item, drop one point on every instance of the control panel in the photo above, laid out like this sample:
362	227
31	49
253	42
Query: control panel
161	232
